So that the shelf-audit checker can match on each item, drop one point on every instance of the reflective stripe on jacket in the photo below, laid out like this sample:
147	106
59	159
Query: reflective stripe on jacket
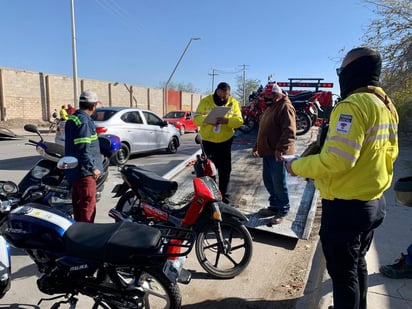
357	159
226	131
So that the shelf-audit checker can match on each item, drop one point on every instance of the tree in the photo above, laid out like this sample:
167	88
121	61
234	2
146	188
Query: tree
391	34
180	87
250	86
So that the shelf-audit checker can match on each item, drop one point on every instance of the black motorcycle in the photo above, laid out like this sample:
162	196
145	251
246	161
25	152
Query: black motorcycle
121	265
45	183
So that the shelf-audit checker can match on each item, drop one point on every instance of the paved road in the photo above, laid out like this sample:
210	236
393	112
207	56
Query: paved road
275	276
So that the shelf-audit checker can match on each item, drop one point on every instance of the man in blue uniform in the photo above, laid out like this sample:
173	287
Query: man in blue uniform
82	142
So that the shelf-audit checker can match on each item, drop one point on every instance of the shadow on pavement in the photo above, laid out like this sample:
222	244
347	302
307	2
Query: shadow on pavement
243	303
18	164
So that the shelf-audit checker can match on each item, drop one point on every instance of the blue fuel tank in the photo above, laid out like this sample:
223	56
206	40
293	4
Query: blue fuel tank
35	226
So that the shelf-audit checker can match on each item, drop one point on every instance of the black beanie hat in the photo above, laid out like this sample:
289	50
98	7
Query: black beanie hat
363	71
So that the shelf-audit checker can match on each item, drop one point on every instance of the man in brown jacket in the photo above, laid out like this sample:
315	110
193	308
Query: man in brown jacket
276	137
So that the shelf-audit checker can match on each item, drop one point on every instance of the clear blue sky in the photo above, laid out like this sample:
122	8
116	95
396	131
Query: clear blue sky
140	41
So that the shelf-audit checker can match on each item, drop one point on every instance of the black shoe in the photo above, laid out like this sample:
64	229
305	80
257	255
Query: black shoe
400	269
267	212
278	219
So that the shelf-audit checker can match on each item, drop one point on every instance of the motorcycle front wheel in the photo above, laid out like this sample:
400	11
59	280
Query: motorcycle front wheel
239	250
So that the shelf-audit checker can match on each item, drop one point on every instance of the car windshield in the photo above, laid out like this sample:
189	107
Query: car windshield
175	114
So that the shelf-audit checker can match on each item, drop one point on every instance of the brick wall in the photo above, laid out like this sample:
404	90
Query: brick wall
33	96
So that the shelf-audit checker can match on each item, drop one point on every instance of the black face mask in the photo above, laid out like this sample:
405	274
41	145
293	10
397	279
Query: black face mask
268	101
362	72
218	101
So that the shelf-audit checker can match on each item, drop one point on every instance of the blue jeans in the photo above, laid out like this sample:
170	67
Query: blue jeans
274	178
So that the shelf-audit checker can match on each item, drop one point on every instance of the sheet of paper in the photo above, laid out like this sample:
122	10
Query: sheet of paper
218	111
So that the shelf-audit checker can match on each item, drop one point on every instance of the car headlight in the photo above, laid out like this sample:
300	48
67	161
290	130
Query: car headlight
39	172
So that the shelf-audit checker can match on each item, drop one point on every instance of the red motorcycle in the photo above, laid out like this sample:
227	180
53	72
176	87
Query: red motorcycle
306	107
223	243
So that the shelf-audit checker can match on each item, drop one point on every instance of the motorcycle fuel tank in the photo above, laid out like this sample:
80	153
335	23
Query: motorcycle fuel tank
34	226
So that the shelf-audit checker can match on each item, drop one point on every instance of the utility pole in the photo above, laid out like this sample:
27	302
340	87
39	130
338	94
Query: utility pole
244	82
74	56
166	101
213	74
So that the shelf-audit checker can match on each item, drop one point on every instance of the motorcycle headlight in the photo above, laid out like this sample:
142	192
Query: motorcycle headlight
9	187
39	172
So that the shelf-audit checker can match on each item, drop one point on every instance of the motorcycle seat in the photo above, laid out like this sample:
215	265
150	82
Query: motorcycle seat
301	96
157	187
118	243
300	104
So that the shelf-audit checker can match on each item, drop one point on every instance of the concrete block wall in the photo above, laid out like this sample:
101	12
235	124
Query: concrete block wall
33	96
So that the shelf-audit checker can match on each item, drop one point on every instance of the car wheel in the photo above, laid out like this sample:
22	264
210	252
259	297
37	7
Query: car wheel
182	130
121	156
172	147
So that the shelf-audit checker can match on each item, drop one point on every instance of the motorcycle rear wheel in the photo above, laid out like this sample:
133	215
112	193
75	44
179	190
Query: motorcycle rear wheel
127	205
247	126
224	265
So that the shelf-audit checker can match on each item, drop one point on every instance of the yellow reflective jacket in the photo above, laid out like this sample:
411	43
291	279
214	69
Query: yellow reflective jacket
356	161
226	130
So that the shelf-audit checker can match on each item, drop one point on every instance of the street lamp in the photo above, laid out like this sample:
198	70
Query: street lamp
166	101
74	55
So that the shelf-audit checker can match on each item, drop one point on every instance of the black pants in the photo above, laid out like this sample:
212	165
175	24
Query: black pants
346	233
221	156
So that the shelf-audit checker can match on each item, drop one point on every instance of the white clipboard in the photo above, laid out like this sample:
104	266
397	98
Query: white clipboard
218	111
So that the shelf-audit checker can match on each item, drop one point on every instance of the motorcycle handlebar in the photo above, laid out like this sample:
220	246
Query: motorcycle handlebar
34	143
56	189
43	188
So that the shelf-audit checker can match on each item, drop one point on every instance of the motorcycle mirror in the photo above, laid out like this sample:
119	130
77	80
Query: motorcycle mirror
198	139
31	128
67	163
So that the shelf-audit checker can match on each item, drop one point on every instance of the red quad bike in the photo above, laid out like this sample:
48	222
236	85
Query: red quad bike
223	243
320	102
311	106
252	112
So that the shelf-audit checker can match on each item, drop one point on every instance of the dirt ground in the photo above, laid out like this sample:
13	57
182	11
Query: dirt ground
277	276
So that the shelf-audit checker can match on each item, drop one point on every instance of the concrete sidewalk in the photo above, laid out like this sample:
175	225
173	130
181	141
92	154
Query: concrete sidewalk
391	238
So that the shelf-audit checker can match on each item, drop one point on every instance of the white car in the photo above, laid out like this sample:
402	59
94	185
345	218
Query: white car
140	131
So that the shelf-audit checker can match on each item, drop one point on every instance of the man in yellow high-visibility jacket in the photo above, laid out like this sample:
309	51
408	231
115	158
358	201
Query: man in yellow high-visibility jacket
217	137
352	171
